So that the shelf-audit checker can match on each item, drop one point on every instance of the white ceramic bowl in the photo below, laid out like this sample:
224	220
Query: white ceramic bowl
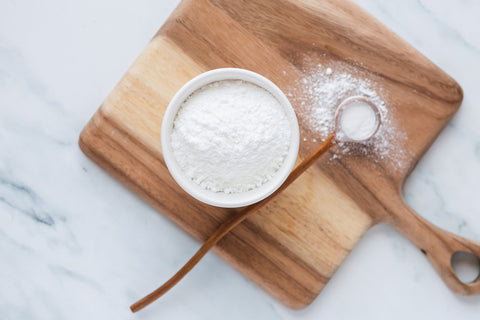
220	199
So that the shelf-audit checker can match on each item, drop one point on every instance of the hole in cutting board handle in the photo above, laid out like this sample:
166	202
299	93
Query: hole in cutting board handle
466	266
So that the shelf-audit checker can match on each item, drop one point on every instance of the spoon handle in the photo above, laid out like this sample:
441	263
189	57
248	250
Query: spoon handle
231	223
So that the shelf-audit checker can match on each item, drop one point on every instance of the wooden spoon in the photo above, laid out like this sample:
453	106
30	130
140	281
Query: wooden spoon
230	224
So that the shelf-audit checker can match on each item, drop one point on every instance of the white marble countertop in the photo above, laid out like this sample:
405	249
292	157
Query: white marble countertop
76	244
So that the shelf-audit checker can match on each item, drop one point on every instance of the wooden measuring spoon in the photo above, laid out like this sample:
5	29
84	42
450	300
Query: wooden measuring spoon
230	224
241	215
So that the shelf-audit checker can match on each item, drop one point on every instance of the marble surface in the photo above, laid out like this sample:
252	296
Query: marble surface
76	244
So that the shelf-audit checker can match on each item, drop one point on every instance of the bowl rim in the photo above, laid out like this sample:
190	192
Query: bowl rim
220	199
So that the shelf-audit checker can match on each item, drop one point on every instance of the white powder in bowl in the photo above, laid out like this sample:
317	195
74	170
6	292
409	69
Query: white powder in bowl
358	120
230	136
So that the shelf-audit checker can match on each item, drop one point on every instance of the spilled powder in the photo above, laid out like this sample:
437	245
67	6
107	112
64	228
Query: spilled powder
319	93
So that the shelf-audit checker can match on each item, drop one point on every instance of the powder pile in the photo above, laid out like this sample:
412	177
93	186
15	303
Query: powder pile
318	95
358	120
231	136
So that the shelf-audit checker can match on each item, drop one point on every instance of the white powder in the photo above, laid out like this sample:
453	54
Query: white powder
231	136
319	93
358	120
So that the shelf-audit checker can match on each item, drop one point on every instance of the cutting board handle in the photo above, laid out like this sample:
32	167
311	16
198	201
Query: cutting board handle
438	246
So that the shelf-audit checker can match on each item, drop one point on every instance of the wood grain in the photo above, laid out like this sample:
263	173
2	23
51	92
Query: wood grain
294	245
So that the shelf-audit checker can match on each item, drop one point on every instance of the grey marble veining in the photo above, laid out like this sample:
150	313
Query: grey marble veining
76	244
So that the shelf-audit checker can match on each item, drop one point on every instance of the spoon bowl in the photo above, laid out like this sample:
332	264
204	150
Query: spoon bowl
341	135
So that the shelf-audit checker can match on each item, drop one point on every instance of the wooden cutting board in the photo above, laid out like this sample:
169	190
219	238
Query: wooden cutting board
293	246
